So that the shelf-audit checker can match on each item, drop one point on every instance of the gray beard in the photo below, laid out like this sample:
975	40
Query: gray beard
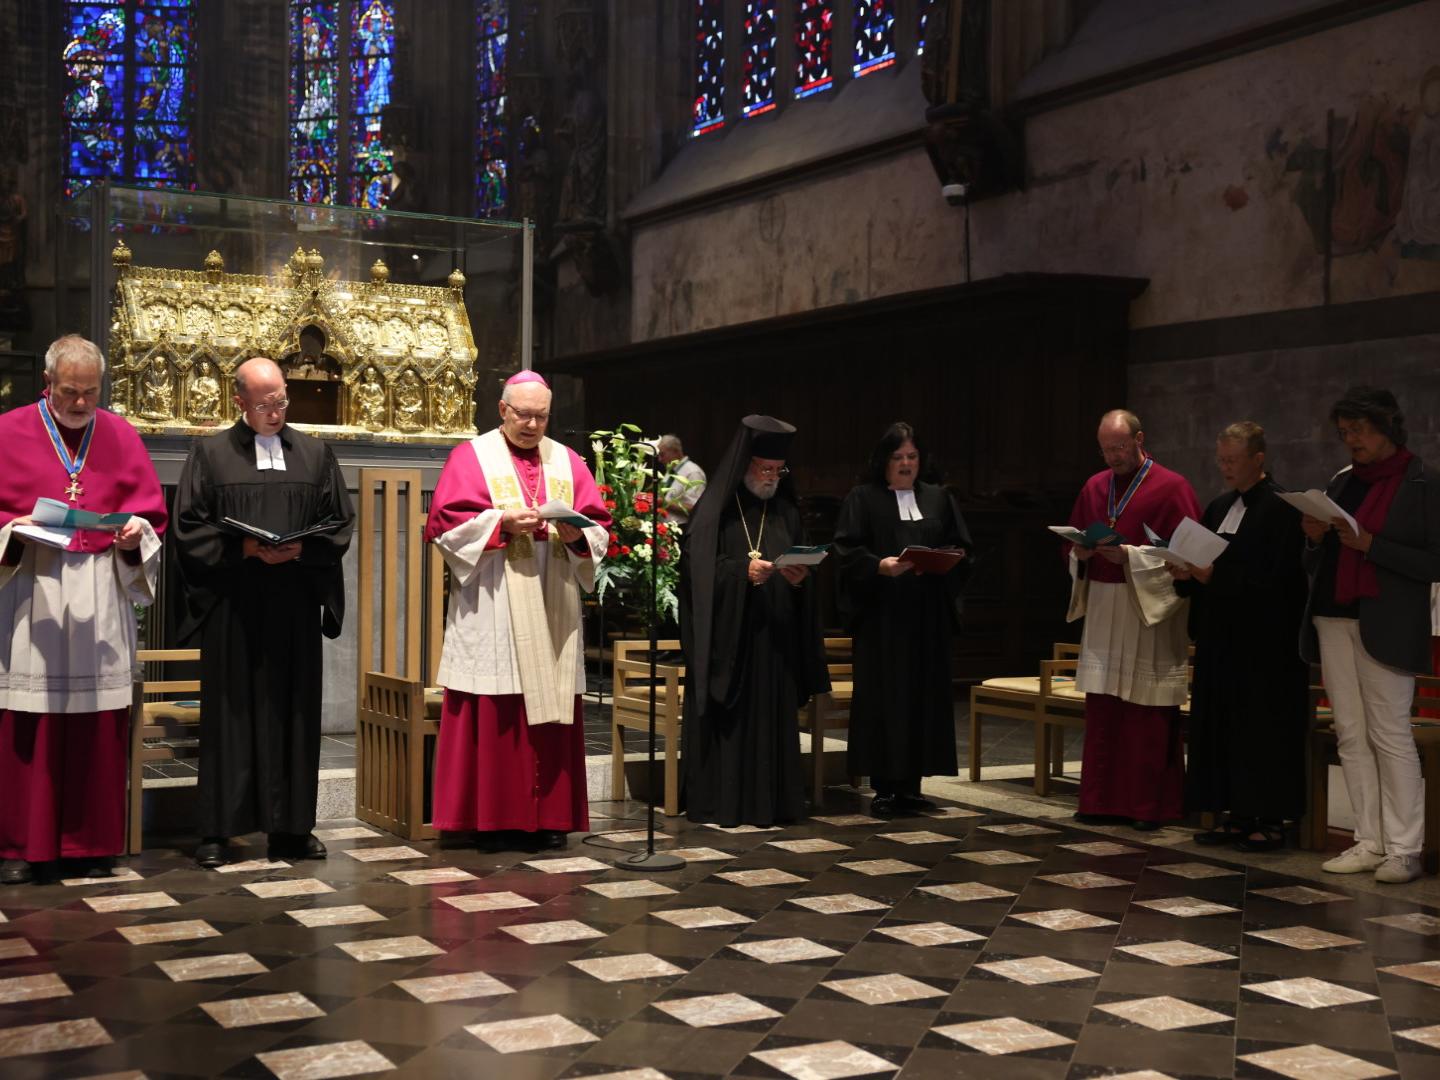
761	489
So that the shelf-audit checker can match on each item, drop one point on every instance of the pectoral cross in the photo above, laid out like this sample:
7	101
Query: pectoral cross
74	490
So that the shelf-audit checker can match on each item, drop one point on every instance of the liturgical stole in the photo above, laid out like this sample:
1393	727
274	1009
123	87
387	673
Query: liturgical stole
545	619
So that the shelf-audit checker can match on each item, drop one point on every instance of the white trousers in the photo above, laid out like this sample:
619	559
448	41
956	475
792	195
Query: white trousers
1371	702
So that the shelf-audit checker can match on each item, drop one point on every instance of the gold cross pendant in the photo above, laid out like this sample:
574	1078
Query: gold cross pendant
74	490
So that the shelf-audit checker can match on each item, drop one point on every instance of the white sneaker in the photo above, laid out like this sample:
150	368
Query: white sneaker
1398	869
1357	859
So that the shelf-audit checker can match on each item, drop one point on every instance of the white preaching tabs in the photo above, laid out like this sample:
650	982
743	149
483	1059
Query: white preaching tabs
909	508
269	454
1191	545
1317	504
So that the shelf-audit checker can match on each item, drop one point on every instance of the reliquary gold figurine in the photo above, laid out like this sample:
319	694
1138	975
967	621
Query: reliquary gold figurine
369	359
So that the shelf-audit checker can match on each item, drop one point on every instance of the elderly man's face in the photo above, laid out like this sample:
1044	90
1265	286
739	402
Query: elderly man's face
762	478
1122	451
524	417
74	392
1239	468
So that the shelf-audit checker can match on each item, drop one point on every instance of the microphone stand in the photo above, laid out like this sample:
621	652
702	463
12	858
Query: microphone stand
650	859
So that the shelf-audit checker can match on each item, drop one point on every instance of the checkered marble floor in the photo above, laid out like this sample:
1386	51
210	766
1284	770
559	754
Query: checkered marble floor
961	944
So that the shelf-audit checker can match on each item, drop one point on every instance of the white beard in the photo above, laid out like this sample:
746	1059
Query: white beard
761	489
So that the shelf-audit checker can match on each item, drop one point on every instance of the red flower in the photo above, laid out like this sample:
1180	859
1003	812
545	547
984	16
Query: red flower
606	489
661	529
664	513
612	551
650	540
624	551
664	555
613	536
609	504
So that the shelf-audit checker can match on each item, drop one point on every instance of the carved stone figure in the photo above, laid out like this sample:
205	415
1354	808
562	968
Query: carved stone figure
409	402
370	401
204	393
157	391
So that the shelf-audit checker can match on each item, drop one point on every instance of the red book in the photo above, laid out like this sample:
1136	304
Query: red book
932	560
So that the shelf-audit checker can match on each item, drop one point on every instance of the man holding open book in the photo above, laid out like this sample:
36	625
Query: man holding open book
1133	649
262	519
80	519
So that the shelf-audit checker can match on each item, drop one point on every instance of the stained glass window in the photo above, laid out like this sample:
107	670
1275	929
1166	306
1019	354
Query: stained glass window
926	6
813	27
341	72
709	66
492	42
372	50
315	36
128	95
874	35
759	58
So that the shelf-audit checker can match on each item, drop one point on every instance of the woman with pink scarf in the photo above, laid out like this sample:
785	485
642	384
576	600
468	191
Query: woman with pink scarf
1368	623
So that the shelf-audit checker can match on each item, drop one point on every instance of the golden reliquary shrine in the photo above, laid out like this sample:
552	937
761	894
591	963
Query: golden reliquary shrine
392	362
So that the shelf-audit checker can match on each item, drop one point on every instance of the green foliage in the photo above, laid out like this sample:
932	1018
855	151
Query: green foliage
621	462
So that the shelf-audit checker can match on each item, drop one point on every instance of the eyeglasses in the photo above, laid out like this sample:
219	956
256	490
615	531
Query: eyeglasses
271	406
527	417
771	470
1344	433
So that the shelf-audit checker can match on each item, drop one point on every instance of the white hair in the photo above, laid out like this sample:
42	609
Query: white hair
76	350
670	443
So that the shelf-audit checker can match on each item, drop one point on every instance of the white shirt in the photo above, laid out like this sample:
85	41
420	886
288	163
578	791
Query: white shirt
269	454
909	508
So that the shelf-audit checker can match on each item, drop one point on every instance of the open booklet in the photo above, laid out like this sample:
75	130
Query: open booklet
800	555
555	510
1096	534
1191	545
55	524
932	560
1317	504
265	536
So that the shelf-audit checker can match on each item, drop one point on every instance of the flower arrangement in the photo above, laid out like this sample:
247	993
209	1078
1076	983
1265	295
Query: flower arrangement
638	541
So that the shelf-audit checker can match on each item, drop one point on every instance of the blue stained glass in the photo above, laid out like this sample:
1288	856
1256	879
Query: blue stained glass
492	41
874	35
313	27
161	93
813	33
140	135
709	66
372	44
314	101
926	6
758	53
370	78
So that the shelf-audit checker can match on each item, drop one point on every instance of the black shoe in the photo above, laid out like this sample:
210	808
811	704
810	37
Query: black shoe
16	872
1098	819
454	840
99	866
1145	826
294	846
884	806
915	803
552	839
211	853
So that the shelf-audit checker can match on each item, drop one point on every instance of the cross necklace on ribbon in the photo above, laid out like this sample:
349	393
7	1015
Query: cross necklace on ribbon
72	466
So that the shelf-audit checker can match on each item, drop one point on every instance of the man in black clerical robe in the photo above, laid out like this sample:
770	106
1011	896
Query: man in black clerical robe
1250	697
751	637
260	610
902	621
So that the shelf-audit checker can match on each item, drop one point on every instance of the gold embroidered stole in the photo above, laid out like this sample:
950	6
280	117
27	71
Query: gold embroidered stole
544	619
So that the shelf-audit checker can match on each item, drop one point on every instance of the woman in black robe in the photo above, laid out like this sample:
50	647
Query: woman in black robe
902	716
1250	698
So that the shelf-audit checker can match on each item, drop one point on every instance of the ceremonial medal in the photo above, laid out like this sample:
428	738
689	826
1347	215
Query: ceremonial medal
1112	510
71	466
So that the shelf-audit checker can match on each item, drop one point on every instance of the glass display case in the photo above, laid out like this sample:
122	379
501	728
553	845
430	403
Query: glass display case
385	323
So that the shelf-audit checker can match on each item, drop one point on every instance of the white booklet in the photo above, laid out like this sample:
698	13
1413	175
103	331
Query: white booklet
1191	545
1317	504
802	555
49	535
555	510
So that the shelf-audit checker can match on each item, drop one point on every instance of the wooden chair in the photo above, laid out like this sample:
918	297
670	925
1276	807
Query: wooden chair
830	710
1017	697
163	712
1324	752
397	719
631	692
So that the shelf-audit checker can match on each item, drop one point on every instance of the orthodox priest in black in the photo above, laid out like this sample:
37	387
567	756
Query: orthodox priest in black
751	636
902	616
1250	698
260	609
